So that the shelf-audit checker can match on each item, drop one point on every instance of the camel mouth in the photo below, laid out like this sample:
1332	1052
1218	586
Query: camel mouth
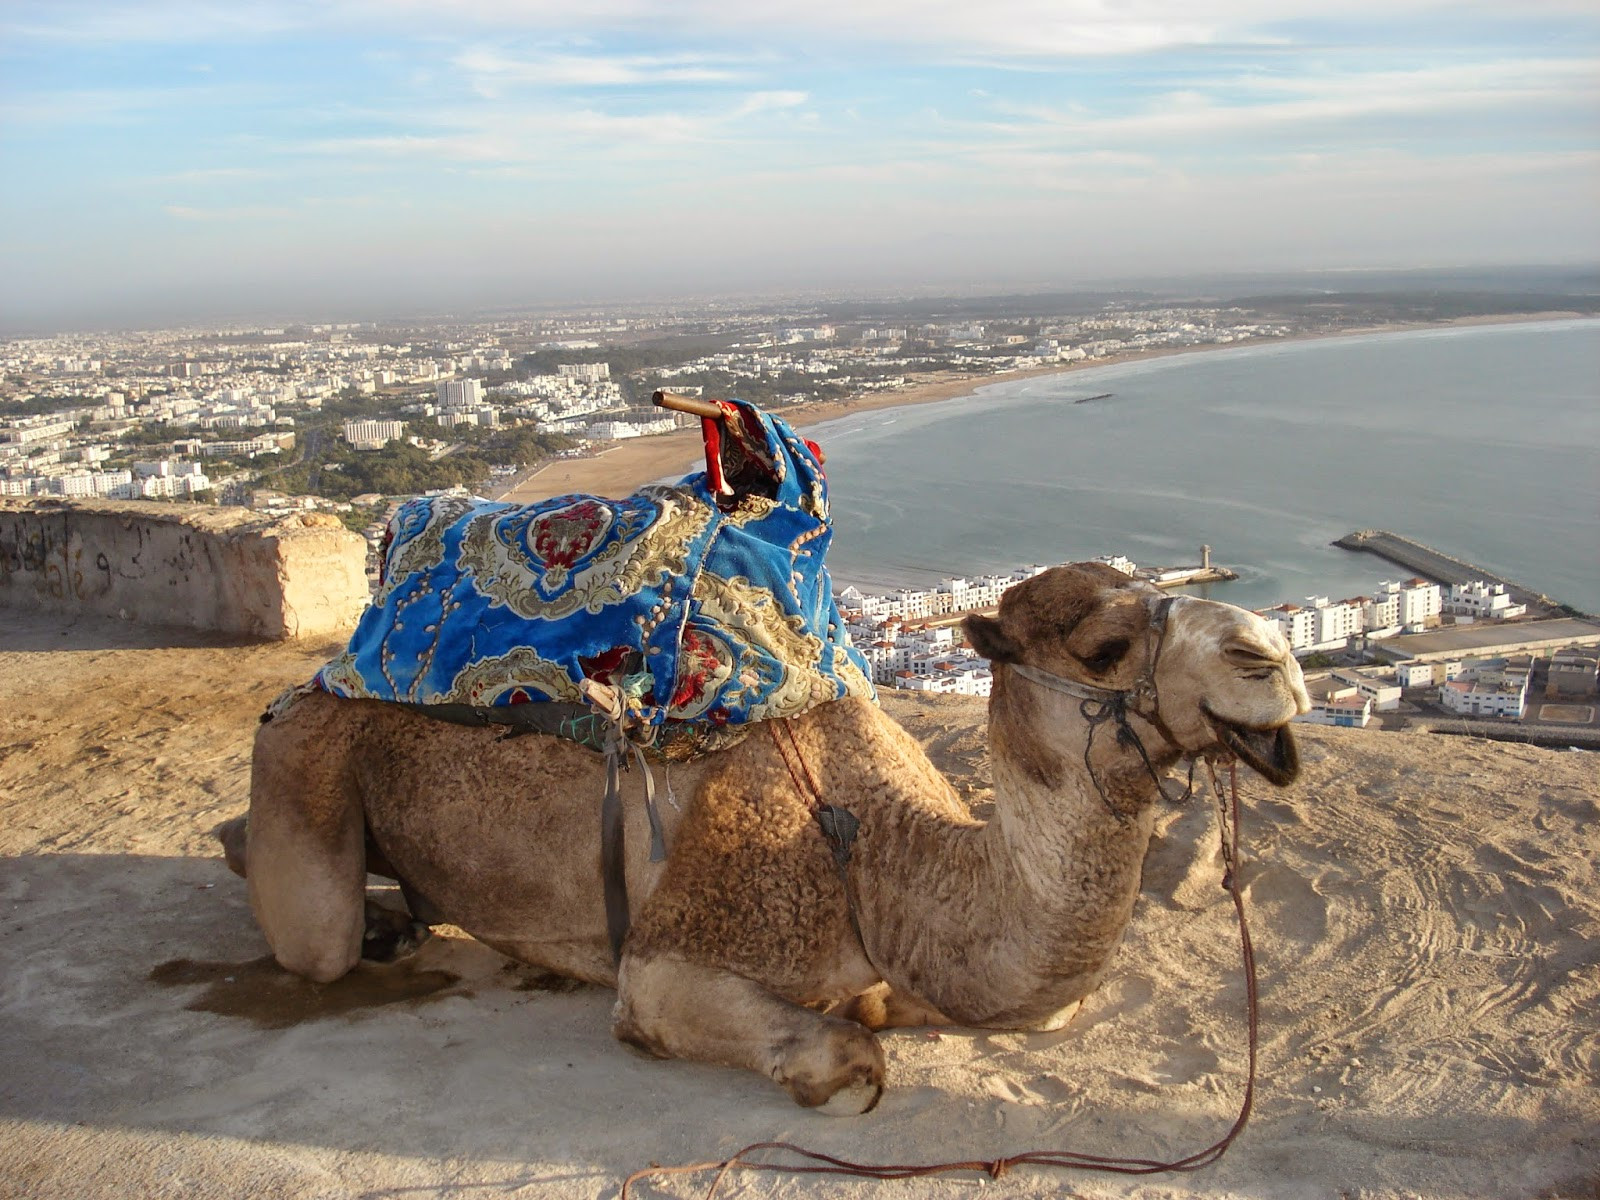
1270	752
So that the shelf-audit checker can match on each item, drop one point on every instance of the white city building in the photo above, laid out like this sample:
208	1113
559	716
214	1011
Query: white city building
953	679
29	430
1321	624
461	393
1427	674
1297	624
1488	696
152	487
1345	707
373	435
1384	694
1420	602
886	658
963	595
1382	614
1336	622
113	485
1481	601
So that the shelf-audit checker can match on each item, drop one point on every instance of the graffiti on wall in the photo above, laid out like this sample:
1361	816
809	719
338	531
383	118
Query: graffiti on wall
48	555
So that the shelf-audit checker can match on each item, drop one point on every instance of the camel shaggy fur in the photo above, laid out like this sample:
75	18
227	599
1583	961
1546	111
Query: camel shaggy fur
743	950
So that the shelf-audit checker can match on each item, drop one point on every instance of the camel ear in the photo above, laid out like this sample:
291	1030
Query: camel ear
989	639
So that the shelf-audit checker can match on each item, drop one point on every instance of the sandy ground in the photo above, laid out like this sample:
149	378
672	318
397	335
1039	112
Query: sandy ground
628	465
1426	912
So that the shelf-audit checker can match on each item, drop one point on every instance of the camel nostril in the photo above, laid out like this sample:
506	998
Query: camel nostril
1250	655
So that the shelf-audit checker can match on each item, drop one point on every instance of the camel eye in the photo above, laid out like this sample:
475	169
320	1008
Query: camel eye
1106	655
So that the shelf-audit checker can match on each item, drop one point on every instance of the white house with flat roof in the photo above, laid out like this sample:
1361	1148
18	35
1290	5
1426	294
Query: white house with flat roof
1420	602
1427	674
1481	601
1485	697
1343	706
1384	693
1118	562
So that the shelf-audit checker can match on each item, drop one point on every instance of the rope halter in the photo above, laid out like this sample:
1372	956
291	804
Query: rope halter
1097	705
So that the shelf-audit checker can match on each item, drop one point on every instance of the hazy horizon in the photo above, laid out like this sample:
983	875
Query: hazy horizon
186	161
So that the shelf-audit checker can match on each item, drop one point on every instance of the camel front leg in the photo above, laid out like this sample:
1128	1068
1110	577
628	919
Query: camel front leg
677	1009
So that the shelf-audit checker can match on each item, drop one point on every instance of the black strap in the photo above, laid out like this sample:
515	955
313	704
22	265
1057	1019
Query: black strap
613	855
839	828
575	722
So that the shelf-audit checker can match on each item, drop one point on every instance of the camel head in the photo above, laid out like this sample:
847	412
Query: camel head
1203	676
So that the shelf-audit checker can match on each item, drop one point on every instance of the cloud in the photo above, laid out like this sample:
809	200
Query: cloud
246	212
1003	30
92	106
1244	106
215	175
758	102
592	70
177	22
1008	32
552	137
545	136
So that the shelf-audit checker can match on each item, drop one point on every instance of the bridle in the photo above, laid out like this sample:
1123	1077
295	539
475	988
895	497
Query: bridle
1142	698
1098	705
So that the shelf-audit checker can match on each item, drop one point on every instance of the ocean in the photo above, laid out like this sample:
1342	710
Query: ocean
1482	441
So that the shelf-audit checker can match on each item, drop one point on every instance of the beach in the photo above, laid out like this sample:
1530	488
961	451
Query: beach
625	466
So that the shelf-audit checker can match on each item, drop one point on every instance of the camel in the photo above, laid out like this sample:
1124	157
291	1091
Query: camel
750	945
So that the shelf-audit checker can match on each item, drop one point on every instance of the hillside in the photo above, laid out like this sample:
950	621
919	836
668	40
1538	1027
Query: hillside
1426	911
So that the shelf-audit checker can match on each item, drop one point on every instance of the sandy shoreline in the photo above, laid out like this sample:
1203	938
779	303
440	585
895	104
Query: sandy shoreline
629	465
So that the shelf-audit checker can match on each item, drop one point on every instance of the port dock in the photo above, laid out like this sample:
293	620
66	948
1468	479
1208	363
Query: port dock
1175	577
1436	565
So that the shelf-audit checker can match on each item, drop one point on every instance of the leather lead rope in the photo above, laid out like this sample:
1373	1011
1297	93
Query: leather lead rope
817	1163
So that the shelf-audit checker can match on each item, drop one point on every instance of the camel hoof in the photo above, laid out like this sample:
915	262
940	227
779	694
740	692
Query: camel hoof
1059	1020
391	935
840	1074
235	838
852	1100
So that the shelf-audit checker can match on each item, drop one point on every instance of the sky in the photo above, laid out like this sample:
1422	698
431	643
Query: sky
209	159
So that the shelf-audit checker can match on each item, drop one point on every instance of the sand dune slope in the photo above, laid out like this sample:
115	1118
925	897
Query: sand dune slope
1426	910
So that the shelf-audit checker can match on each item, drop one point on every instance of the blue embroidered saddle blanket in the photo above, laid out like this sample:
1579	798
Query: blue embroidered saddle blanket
704	615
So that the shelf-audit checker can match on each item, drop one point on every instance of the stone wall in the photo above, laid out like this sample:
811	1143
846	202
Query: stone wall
183	564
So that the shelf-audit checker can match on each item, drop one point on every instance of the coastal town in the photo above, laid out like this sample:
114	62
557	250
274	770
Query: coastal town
351	418
226	415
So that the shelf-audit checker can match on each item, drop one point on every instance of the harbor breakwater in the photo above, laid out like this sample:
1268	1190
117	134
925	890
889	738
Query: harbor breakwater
1440	567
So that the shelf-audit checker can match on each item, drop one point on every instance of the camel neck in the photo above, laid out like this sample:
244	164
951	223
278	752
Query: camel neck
1034	902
